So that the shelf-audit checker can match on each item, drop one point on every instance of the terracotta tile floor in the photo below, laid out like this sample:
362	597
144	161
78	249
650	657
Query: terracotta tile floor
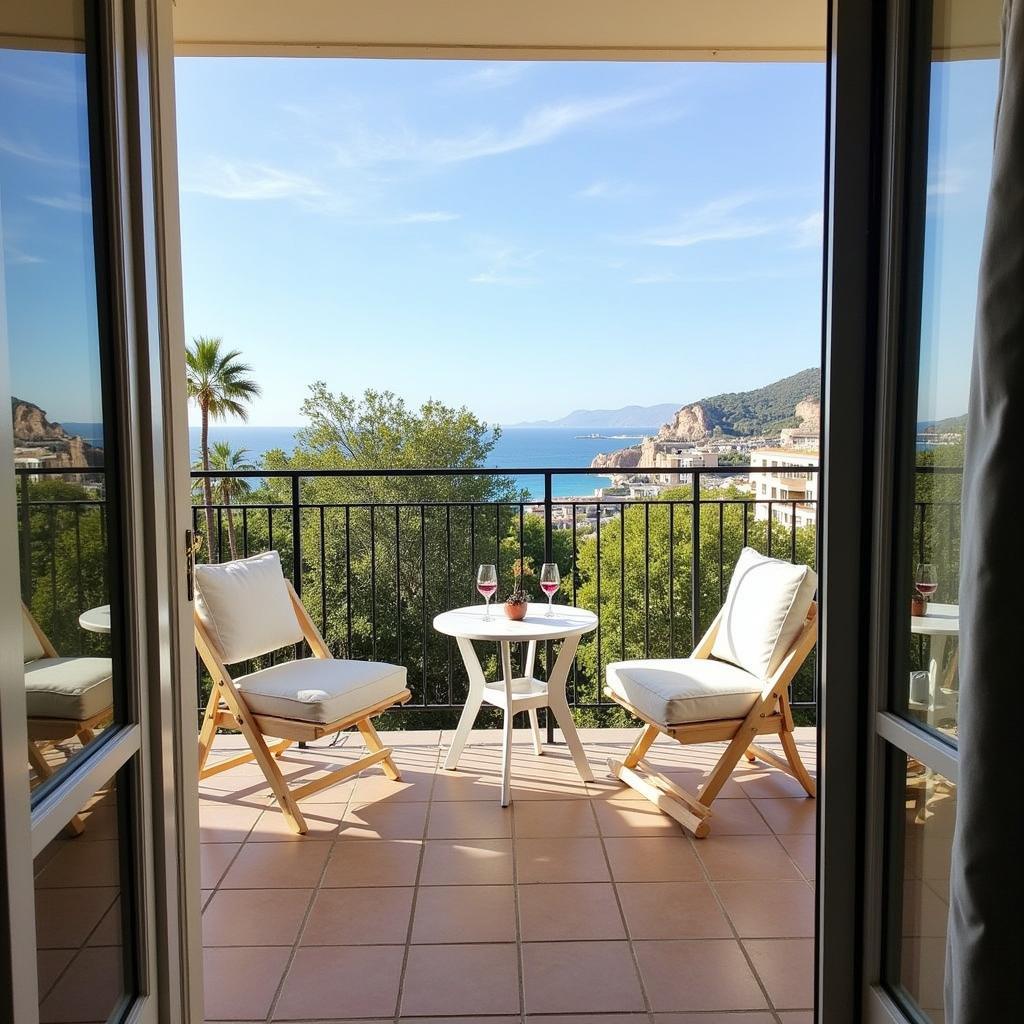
423	900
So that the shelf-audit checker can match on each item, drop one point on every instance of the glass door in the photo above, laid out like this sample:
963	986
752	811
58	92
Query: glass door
90	908
944	62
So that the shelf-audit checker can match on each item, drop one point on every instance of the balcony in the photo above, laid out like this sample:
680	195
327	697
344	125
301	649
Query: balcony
424	899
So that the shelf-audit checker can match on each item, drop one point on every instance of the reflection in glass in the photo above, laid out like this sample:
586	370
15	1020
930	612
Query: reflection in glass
930	809
54	354
79	923
961	107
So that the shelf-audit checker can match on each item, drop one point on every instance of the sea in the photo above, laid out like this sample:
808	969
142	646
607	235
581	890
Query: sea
517	448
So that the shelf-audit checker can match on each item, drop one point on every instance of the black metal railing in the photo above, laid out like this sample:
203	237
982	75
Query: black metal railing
374	568
376	554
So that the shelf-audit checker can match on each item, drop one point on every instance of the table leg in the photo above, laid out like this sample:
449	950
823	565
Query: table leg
531	657
560	706
506	747
473	701
936	653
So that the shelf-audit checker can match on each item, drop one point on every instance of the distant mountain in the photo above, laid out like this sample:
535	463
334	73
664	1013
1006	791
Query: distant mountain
765	410
631	416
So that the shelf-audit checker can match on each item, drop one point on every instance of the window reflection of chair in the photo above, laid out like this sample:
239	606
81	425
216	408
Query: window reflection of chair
65	698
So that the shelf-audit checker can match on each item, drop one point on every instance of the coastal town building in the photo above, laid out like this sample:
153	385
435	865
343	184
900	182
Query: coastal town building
790	494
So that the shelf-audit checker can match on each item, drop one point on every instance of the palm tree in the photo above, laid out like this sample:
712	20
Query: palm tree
218	383
229	488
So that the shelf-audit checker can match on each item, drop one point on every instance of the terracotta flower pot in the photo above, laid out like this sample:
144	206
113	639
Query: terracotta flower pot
918	605
515	610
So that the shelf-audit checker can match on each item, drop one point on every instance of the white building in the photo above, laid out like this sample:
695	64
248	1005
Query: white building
678	459
794	486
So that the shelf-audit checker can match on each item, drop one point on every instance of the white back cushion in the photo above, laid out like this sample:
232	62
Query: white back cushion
33	649
766	605
245	607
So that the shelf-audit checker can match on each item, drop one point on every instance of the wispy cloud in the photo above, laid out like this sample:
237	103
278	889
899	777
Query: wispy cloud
424	217
46	83
948	182
14	256
607	190
540	126
774	273
31	152
68	201
808	230
250	181
720	220
734	218
508	266
490	76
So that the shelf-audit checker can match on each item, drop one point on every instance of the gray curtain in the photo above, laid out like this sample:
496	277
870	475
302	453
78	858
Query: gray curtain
984	962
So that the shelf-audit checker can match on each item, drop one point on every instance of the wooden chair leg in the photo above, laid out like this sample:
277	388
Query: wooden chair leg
265	759
208	730
797	769
374	744
641	746
719	776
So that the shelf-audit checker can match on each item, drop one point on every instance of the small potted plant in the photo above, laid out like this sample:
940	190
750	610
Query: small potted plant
517	602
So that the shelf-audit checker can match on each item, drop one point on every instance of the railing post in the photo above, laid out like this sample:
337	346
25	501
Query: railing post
549	722
26	541
297	557
695	559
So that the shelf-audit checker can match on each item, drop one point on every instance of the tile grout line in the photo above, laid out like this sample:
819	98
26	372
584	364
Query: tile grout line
648	1009
415	893
309	907
520	965
728	920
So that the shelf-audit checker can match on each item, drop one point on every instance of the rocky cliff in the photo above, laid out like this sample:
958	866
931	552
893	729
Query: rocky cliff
35	432
783	407
624	458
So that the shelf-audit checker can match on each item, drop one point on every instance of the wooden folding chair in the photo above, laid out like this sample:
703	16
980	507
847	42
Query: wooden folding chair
704	699
246	609
65	698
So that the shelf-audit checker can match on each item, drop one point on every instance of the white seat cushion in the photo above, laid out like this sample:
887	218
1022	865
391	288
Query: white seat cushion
245	607
320	690
674	691
70	688
767	603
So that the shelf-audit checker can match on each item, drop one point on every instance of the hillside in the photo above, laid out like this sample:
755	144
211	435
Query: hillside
765	410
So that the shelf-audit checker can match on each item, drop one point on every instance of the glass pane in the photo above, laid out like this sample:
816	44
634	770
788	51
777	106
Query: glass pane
80	916
928	816
57	364
961	107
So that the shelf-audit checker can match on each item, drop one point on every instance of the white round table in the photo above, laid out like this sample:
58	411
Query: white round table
939	623
522	693
96	620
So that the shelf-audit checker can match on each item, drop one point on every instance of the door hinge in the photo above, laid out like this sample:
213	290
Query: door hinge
190	563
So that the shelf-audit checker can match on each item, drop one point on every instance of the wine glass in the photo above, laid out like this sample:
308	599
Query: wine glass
487	585
549	583
926	580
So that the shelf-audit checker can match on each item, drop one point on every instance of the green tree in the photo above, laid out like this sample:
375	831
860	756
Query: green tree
218	382
229	488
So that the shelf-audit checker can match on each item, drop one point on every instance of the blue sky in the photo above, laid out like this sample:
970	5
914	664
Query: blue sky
522	238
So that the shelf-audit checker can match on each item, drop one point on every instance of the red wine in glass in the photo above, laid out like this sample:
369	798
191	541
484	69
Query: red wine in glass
926	580
487	586
549	583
